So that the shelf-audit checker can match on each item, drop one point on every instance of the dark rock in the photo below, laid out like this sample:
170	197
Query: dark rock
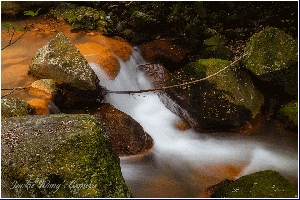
127	136
272	56
163	52
263	184
11	107
54	156
223	102
288	115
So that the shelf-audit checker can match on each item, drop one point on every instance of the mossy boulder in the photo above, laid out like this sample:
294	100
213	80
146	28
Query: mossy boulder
11	107
263	184
214	47
222	102
60	60
59	156
47	86
82	17
272	56
288	115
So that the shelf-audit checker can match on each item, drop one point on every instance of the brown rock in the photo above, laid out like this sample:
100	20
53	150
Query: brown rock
163	52
127	135
182	125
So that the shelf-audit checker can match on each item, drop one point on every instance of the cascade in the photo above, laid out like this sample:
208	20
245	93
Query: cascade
184	163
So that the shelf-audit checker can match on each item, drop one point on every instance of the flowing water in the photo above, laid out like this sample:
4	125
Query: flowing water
185	163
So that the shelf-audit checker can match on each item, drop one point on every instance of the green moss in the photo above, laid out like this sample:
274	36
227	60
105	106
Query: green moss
264	184
214	47
270	50
83	17
71	152
11	107
288	115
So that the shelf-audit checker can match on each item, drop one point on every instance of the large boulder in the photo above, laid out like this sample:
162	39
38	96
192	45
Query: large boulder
11	107
263	184
222	102
272	56
61	61
60	156
127	136
214	47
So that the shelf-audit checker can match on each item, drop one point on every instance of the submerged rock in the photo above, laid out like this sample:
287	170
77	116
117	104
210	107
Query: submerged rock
59	156
272	56
11	107
223	102
127	135
263	184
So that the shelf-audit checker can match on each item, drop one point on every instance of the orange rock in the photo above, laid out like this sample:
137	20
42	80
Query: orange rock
40	106
102	56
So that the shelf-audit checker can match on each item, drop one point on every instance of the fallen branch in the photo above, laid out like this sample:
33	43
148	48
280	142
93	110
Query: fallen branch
178	85
12	90
10	41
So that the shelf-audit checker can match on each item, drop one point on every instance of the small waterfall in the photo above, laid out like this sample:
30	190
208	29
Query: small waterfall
184	163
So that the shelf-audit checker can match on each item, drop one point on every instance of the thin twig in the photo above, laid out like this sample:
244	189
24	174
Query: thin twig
12	90
11	43
178	85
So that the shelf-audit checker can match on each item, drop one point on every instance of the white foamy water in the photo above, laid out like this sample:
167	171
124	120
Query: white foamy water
180	160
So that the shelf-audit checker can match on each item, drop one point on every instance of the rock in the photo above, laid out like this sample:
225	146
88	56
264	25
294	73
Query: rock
13	8
127	136
288	115
272	56
223	102
65	156
141	20
163	52
60	60
11	107
40	106
47	86
77	84
212	189
101	56
263	184
81	17
214	47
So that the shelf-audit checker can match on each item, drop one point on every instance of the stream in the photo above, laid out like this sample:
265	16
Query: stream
185	163
181	163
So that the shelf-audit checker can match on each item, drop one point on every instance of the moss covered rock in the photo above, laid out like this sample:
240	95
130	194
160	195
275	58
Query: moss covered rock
60	60
272	56
214	47
223	102
82	17
59	156
263	184
11	107
288	115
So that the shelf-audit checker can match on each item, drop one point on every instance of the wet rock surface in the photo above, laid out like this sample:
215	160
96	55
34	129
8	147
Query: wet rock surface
263	184
70	152
272	56
127	135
